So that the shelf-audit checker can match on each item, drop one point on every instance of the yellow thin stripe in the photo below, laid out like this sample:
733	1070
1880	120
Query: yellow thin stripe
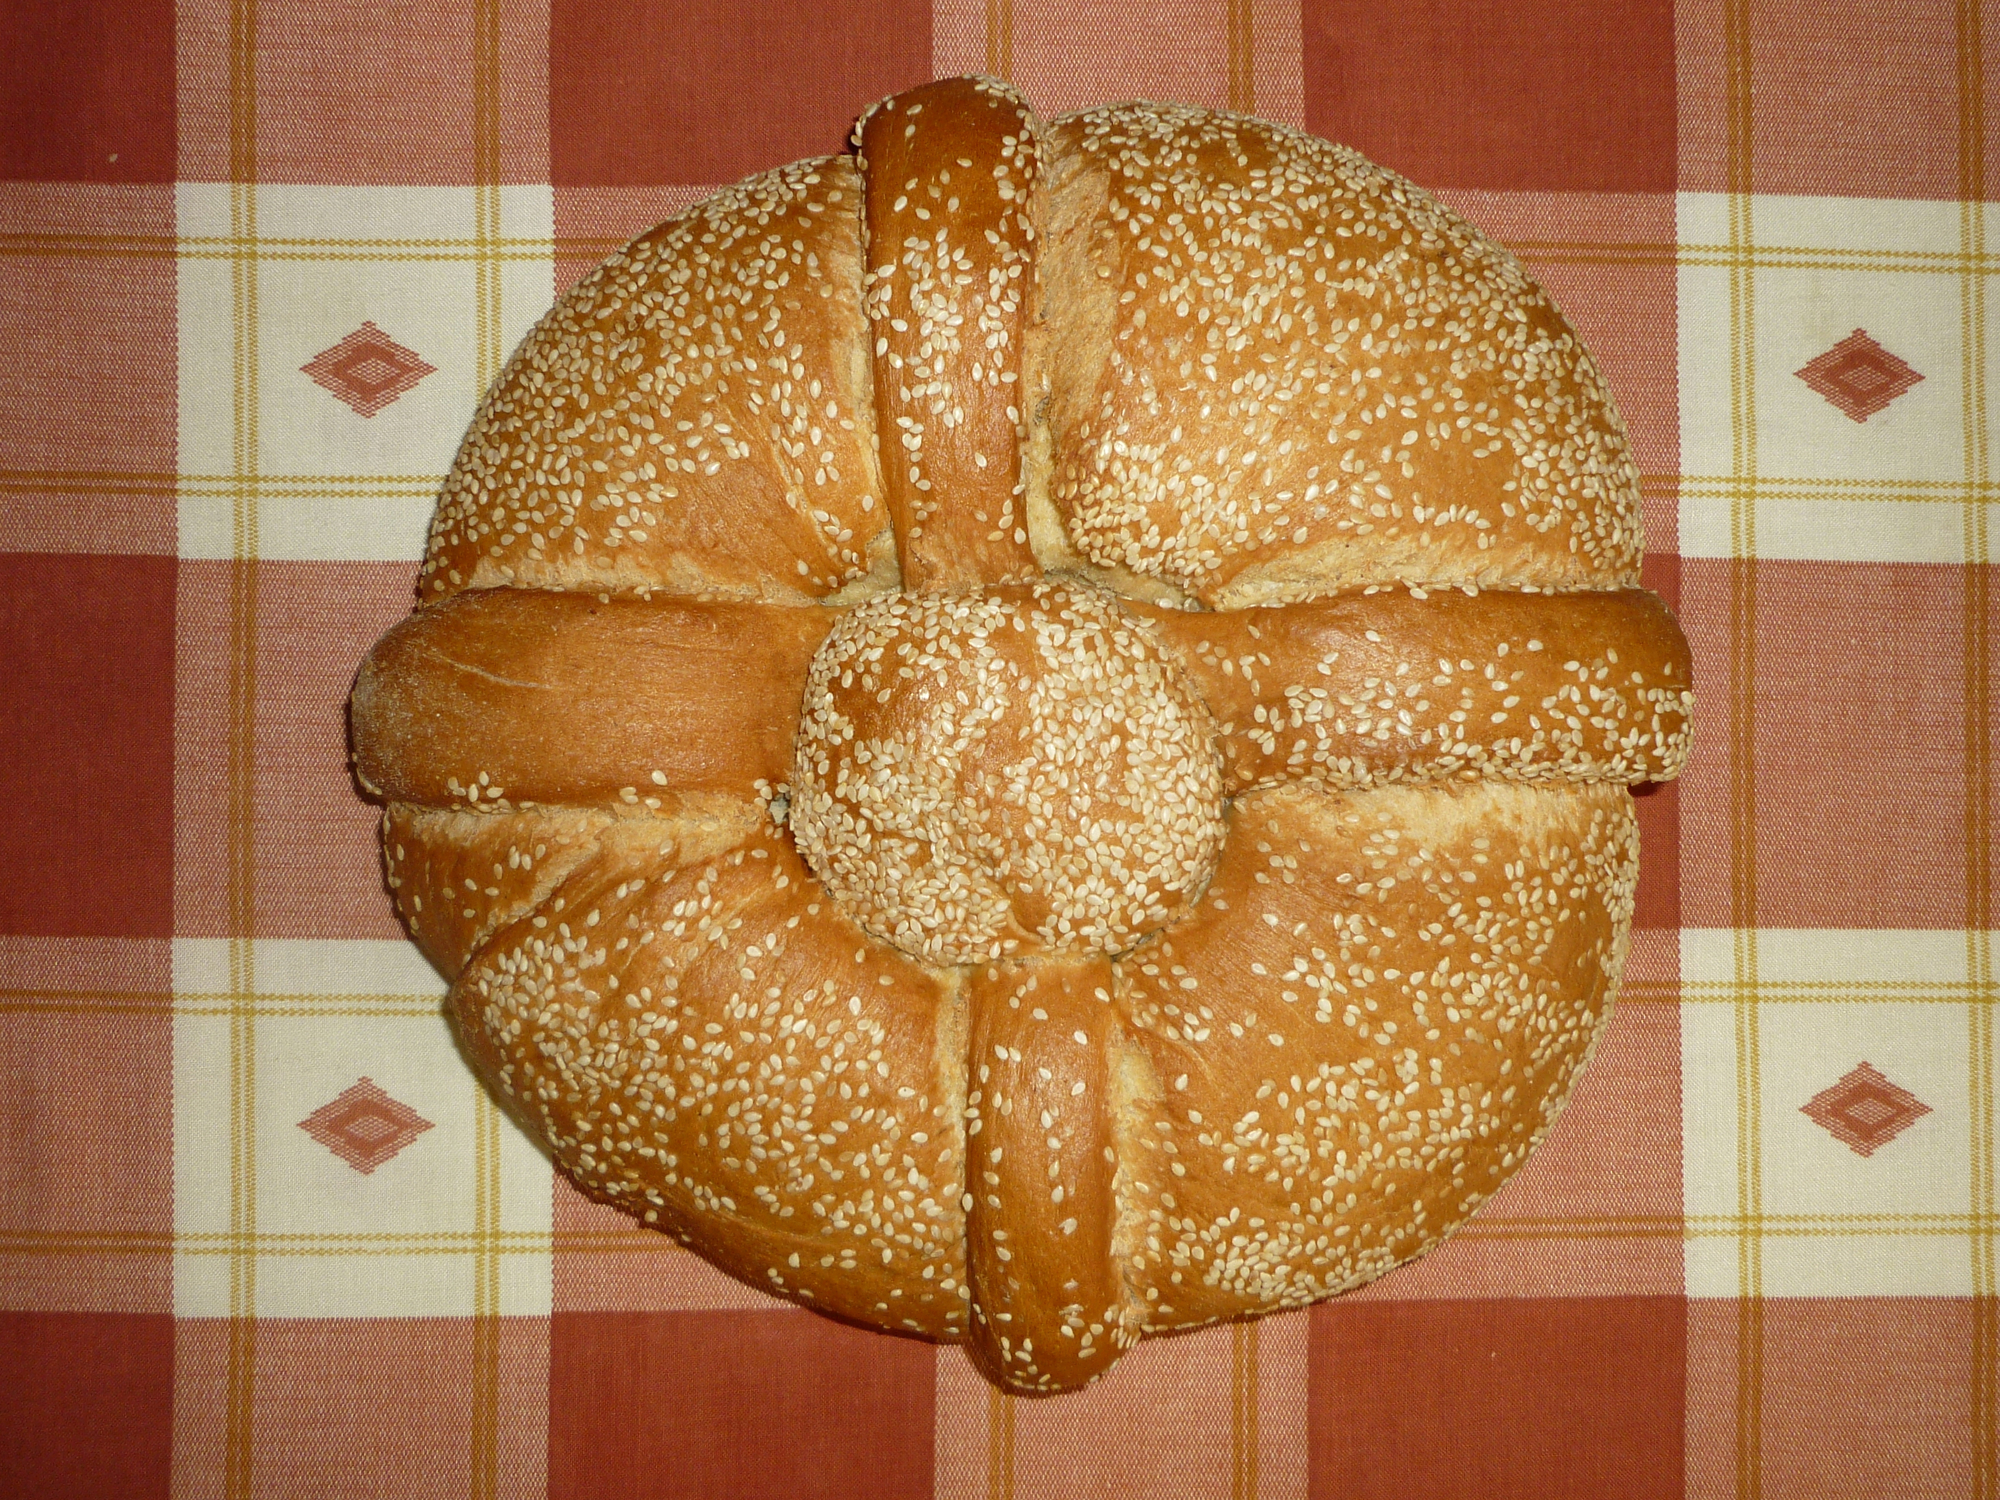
1000	38
1743	463
240	1401
999	1445
493	1242
1977	707
1708	485
1716	486
486	244
316	257
1243	1407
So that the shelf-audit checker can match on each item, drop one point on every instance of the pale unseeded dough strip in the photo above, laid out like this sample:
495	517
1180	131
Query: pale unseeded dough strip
507	697
951	179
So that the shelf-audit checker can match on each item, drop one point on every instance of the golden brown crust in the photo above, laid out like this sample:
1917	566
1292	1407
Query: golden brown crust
1288	370
692	416
951	173
714	1048
1377	1010
1413	685
1279	671
456	876
1049	1312
508	698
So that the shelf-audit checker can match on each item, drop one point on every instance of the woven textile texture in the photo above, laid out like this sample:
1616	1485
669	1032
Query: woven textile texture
261	1234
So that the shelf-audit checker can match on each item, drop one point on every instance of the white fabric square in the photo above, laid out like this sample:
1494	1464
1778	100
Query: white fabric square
1827	1116
334	342
1775	466
334	1154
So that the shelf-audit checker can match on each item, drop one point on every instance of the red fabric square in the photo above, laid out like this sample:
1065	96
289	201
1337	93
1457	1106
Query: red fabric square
1075	54
1658	902
1854	738
86	1405
739	1404
312	1408
88	369
86	734
1552	94
316	861
87	1154
1802	1398
353	91
1526	1397
709	91
1855	100
87	90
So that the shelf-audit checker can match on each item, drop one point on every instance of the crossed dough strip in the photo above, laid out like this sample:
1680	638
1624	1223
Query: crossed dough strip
973	432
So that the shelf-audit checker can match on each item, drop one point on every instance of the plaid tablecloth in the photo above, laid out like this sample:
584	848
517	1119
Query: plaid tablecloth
260	1232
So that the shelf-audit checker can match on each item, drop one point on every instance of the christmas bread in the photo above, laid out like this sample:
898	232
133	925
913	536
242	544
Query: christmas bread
1023	736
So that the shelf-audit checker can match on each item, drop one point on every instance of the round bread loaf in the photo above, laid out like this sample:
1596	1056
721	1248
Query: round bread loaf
1022	737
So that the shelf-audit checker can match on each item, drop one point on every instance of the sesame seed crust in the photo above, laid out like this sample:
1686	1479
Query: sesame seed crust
1396	684
1281	371
1004	772
458	876
741	1068
1373	1016
952	189
1187	899
693	416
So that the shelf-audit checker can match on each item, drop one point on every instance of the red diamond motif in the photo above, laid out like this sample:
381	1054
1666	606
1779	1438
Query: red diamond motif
1859	376
364	1127
1865	1110
367	369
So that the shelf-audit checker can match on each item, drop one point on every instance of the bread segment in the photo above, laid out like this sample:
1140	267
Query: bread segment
1376	1012
1049	1307
1286	370
1395	684
508	698
457	876
952	173
693	417
712	1047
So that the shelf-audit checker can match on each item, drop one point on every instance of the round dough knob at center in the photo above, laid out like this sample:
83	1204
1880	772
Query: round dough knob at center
1004	771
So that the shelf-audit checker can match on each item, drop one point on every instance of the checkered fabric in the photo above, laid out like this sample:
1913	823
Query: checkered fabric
261	1234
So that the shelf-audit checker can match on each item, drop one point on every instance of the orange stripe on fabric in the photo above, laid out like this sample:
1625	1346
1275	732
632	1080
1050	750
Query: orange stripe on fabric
1978	708
1743	731
1243	1426
1242	56
1000	38
240	1426
485	1394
